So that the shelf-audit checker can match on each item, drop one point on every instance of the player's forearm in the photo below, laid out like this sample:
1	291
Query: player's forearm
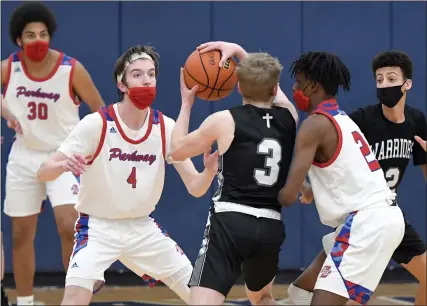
201	183
50	171
5	113
180	129
240	53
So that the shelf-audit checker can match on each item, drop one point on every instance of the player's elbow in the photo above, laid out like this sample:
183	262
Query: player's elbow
177	155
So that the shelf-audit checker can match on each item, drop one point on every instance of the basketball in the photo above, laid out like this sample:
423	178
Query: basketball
203	69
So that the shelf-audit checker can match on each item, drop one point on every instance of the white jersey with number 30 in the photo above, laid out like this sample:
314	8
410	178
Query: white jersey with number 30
45	107
126	174
353	179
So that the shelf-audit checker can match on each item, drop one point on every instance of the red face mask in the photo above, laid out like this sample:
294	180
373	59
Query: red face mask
301	100
37	50
142	97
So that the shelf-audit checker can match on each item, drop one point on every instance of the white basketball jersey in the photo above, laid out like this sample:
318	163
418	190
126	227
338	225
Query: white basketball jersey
353	179
45	108
125	177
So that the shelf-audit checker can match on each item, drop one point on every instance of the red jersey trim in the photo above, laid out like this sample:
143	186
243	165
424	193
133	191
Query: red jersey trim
101	138
70	84
122	133
49	76
9	71
339	145
163	133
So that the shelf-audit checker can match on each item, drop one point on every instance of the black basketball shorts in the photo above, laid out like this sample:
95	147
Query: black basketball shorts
234	242
412	245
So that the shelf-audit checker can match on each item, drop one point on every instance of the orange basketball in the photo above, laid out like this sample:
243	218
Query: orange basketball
203	69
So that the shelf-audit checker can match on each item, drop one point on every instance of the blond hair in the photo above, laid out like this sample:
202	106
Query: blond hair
257	74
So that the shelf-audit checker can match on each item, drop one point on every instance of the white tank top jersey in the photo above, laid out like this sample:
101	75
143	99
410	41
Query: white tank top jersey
353	179
46	108
126	171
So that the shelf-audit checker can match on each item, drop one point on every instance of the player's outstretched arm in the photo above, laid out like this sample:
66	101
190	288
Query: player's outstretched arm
76	150
186	145
198	184
307	142
85	88
59	163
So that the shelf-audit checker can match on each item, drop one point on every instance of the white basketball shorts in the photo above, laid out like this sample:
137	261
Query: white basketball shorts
25	193
359	251
140	244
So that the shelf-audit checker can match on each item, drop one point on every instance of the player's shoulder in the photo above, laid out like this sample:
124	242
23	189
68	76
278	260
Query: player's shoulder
370	110
414	113
93	120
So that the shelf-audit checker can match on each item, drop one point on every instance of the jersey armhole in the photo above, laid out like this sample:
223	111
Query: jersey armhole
340	140
101	138
163	134
9	71
73	95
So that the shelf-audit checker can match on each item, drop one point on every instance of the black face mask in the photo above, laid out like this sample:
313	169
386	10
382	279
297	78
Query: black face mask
390	96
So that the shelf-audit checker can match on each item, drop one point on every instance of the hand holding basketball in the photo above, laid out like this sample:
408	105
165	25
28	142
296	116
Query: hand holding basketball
214	82
228	50
188	96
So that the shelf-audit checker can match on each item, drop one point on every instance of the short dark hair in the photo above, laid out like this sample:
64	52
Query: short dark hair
393	58
324	68
27	13
125	57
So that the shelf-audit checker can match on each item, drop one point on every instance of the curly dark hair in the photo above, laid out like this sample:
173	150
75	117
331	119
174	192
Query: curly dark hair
393	58
27	13
125	57
324	68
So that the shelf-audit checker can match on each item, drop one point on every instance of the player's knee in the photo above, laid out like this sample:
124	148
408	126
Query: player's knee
260	294
23	232
299	296
78	291
65	227
178	282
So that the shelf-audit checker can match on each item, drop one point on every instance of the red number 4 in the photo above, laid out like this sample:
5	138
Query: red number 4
37	111
132	178
372	162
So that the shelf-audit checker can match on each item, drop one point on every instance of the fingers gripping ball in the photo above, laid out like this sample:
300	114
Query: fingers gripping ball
214	82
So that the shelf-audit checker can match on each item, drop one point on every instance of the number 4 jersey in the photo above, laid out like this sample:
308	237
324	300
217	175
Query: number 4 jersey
256	165
45	107
353	179
126	168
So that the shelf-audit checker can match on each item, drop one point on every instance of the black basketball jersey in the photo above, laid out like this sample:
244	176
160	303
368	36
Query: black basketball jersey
255	167
393	143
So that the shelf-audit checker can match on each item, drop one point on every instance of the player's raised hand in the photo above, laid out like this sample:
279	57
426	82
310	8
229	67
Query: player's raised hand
306	194
14	124
188	96
75	164
210	160
227	49
421	142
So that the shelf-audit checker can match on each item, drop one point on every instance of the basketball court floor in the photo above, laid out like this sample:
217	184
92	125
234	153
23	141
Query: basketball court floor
400	291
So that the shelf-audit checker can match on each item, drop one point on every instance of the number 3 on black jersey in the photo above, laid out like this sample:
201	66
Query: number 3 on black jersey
273	151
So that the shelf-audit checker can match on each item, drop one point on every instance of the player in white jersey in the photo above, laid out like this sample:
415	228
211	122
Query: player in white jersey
348	185
40	86
120	152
